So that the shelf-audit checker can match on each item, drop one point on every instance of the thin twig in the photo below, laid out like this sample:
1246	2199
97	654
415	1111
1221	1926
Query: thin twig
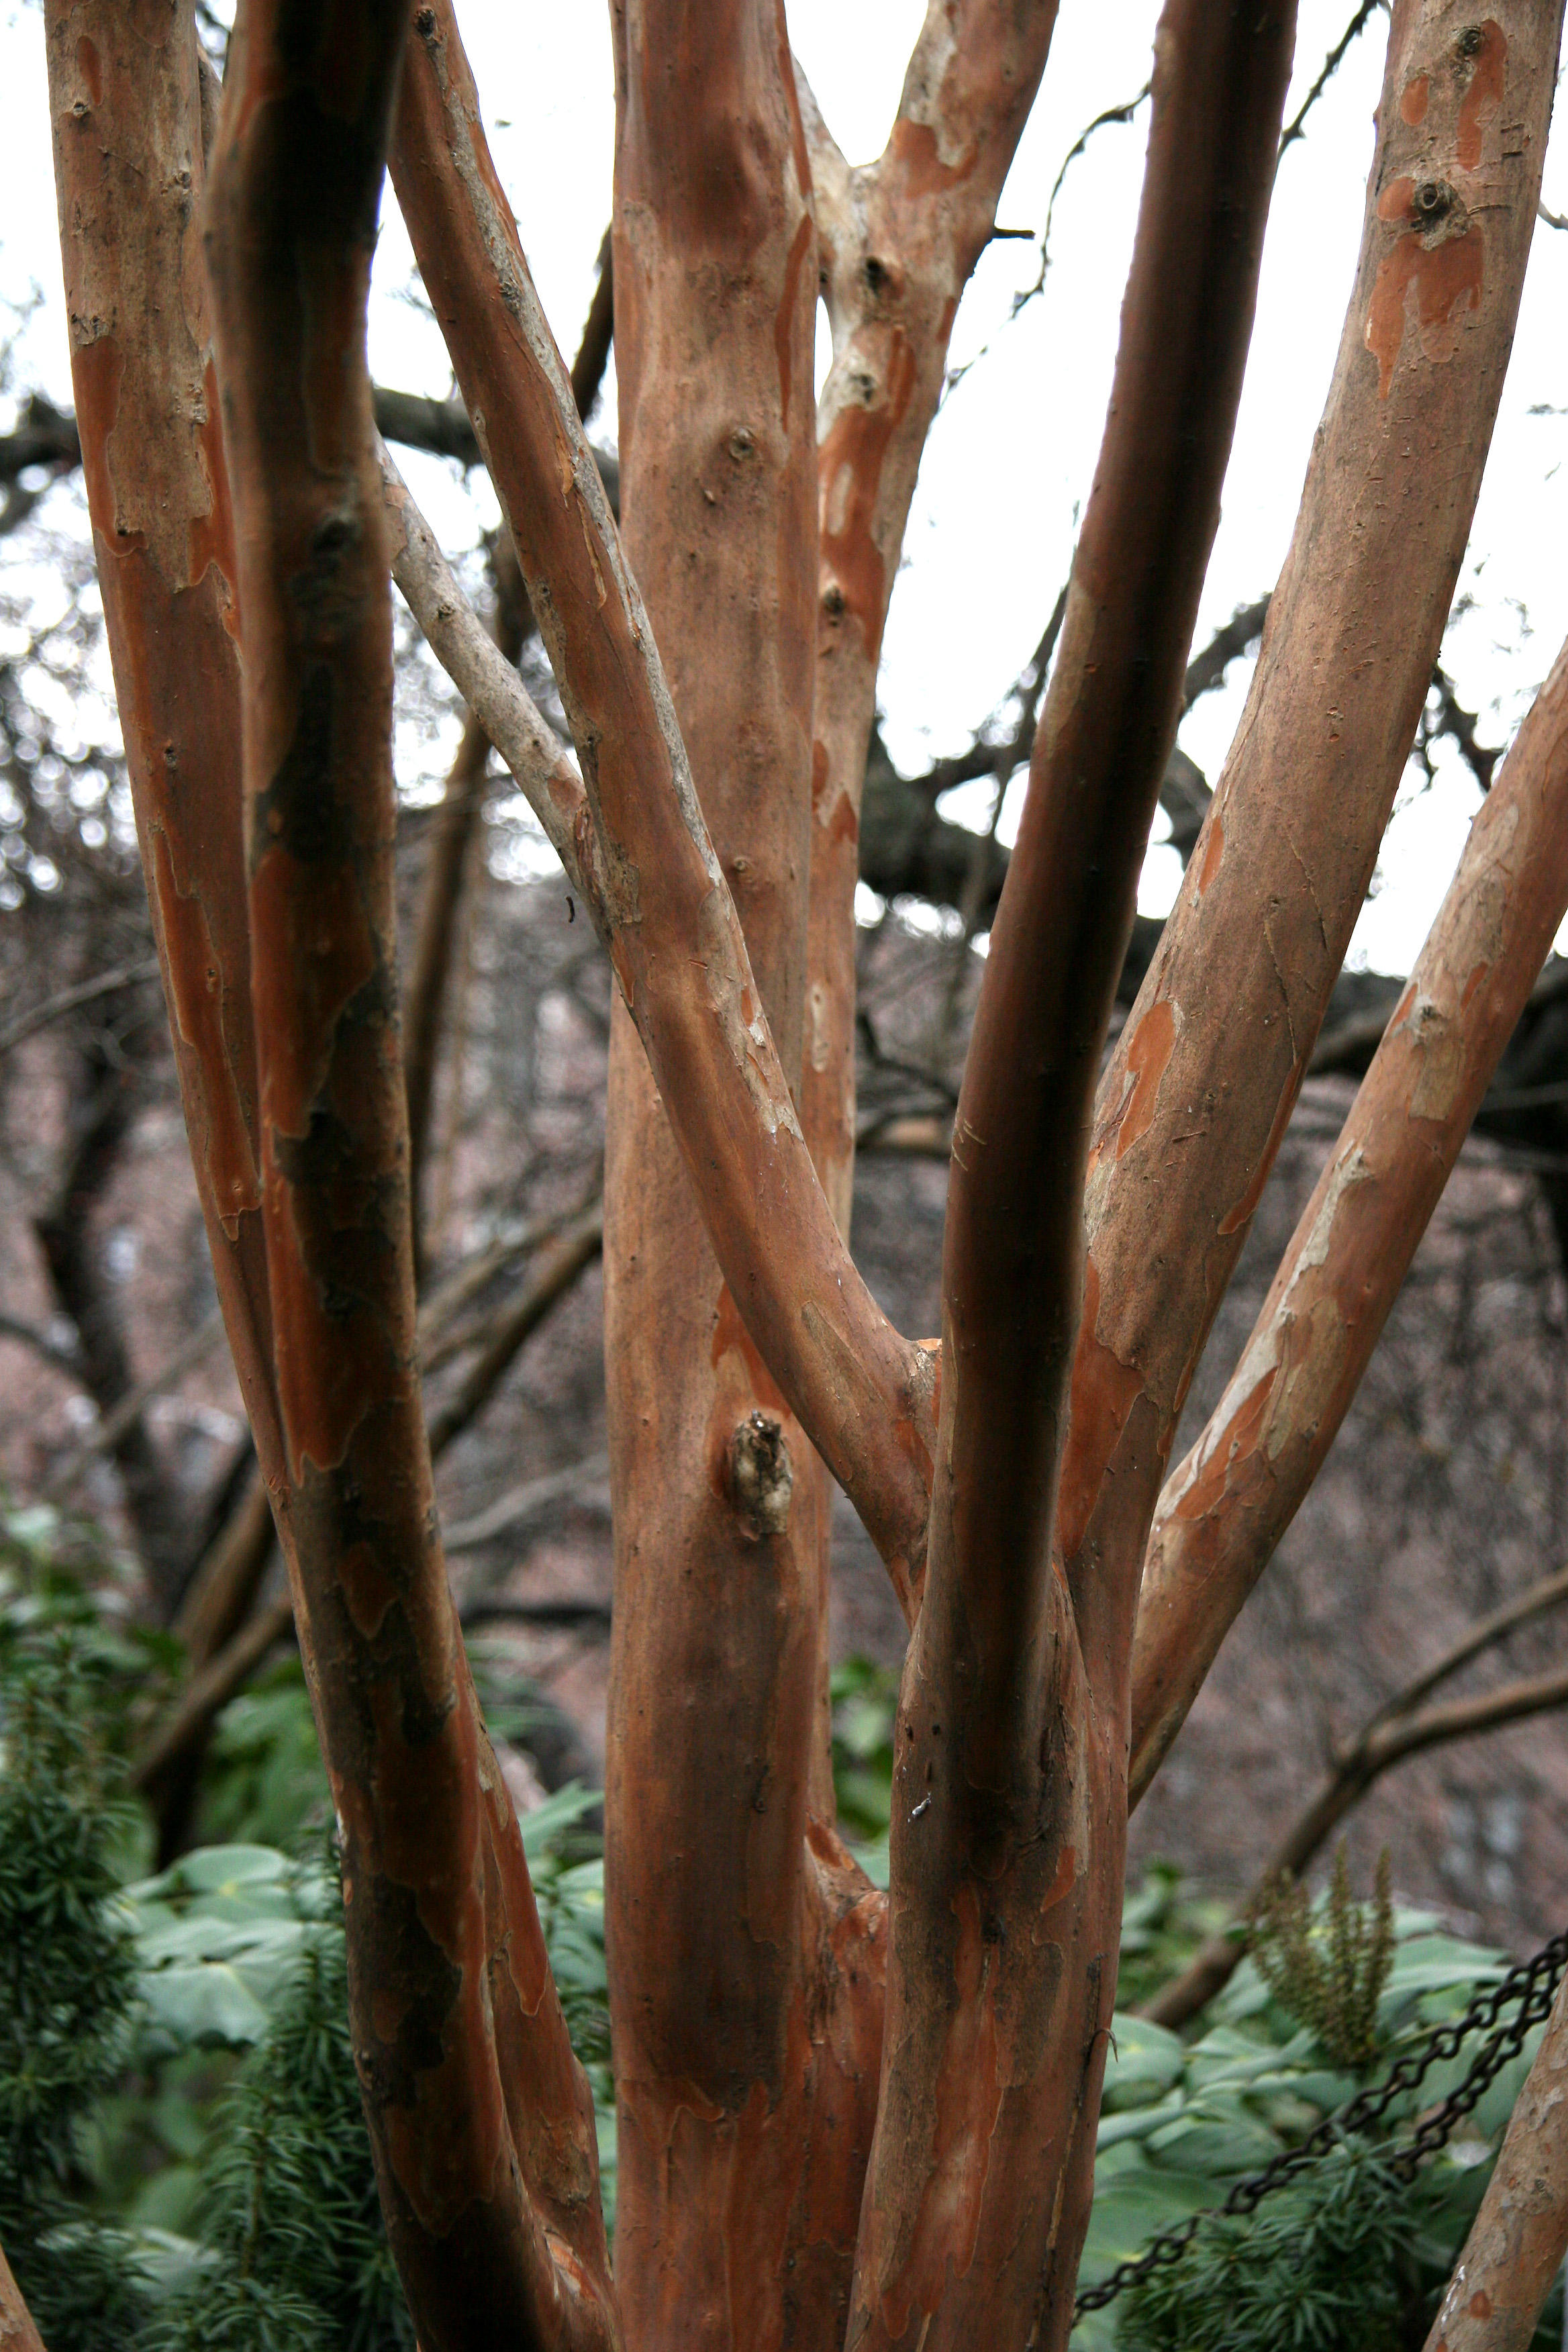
69	1000
1331	64
113	1425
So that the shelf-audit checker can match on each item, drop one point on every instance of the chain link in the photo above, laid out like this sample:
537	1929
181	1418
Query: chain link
1531	1985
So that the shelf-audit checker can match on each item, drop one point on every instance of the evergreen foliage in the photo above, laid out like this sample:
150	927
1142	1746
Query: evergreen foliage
1318	2268
291	2208
1328	1966
66	1989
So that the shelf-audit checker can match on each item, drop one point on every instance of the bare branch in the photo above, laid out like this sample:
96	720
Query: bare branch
1296	128
515	1509
1394	1733
1226	1508
114	1424
1279	877
1008	1744
70	1000
659	888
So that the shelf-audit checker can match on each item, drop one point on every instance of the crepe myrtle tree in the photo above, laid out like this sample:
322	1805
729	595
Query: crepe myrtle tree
845	2116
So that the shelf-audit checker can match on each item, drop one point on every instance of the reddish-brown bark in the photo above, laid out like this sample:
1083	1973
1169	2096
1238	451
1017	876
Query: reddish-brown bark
1009	1808
124	95
1520	2236
480	2119
865	1394
1195	1098
898	239
747	1955
1223	1511
743	1961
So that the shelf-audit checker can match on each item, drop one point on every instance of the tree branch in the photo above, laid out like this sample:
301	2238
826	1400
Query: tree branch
1195	1098
898	240
858	1386
70	1000
1223	1511
1009	1770
17	2333
480	2120
512	626
1296	128
1394	1733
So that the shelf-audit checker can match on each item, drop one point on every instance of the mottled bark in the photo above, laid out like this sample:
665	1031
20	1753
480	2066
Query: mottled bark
480	2119
1206	1072
744	1968
865	1394
1225	1508
899	238
1009	1807
125	102
1520	2236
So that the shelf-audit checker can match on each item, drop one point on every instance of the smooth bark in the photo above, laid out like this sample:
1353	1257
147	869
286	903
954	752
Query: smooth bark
1009	1807
480	2119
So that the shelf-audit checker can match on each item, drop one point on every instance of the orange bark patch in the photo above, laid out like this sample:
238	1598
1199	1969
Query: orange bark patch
730	1333
914	144
96	369
212	534
1150	1051
197	991
1446	280
1237	1217
1236	1441
818	774
1213	854
783	324
1474	981
1104	1392
845	825
1413	102
91	71
850	469
1484	96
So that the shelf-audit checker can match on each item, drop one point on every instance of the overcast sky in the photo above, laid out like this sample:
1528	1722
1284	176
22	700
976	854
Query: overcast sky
1013	450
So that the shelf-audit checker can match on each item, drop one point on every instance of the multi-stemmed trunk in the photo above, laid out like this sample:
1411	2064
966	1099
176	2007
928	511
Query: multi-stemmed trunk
843	2116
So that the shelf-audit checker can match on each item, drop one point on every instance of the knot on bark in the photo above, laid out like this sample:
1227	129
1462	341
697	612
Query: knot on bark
761	1479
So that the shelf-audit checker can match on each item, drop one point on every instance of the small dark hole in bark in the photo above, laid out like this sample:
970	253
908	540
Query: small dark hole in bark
832	602
1471	41
1431	200
876	273
425	23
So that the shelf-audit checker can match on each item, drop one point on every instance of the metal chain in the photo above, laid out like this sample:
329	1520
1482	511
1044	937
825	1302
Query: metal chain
1531	1984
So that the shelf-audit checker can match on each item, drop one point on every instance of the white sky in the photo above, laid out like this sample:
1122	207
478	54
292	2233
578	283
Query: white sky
1012	452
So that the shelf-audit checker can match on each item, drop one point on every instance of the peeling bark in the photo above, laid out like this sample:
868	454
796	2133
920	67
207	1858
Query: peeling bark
1520	2236
125	102
480	2119
745	1961
1009	1805
1225	1508
864	1393
1192	1106
898	239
